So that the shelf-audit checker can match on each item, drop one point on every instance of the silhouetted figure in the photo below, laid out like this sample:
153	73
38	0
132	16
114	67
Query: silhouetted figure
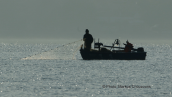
88	39
128	47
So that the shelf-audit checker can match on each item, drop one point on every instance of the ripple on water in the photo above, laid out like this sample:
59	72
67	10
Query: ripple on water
51	76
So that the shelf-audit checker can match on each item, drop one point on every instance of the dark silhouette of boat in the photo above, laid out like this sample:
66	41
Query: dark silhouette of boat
101	52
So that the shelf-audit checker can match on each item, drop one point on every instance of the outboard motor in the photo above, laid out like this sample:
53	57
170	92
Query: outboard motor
140	49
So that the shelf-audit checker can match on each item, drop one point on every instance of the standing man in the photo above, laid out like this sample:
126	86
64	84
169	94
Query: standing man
88	39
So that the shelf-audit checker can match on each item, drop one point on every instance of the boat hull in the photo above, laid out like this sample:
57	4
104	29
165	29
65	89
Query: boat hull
88	55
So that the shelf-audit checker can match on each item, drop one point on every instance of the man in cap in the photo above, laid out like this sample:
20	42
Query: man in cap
88	39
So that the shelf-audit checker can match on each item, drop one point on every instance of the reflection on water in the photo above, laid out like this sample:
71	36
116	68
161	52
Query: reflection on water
54	75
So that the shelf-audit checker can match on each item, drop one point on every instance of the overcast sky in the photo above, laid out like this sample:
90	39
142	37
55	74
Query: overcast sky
106	19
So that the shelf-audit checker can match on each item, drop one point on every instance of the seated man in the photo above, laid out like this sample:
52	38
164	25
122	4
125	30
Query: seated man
88	39
128	47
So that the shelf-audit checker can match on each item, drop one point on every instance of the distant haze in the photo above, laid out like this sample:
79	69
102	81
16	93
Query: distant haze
136	20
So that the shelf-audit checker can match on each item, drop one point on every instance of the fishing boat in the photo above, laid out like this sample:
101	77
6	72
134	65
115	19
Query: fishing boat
114	52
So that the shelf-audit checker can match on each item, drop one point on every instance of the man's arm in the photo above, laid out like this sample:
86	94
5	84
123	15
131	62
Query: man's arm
84	38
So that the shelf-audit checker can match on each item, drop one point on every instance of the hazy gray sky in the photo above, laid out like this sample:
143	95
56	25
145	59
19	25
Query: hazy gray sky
106	19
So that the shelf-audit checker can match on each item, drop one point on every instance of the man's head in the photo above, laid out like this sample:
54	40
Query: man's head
87	31
127	41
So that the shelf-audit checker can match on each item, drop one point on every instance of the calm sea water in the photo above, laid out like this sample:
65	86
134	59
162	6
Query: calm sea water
31	70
